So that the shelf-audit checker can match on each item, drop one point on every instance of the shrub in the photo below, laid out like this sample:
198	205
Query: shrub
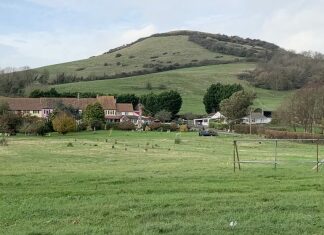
173	127
155	126
163	115
64	123
3	142
69	144
39	127
218	126
81	126
148	86
183	128
111	125
177	139
118	55
162	87
9	123
245	129
271	134
126	126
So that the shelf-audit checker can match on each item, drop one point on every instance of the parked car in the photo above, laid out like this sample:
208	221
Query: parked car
209	132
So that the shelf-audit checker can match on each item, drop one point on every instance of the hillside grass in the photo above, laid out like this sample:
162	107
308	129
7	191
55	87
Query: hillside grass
188	188
192	83
155	50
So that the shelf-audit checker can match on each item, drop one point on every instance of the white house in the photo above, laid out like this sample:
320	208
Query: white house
256	118
212	117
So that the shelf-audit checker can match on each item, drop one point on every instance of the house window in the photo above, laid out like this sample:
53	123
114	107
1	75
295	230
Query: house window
35	112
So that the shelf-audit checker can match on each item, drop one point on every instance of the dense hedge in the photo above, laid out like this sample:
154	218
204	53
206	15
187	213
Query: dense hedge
218	126
271	134
245	129
148	69
126	126
157	126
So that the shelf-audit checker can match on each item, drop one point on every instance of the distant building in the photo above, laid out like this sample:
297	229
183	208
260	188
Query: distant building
211	117
43	107
256	118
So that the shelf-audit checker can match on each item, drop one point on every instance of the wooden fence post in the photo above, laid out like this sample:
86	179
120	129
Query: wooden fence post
275	157
237	156
234	144
317	153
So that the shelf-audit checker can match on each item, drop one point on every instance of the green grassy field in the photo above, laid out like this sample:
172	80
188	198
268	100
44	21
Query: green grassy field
147	184
190	82
156	50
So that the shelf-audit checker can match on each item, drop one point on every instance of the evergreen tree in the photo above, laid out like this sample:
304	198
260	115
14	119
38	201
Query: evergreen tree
218	92
94	115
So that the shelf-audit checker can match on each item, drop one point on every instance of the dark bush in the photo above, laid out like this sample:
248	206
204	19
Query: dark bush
245	129
218	126
126	126
154	126
3	141
82	126
111	125
118	55
271	134
157	126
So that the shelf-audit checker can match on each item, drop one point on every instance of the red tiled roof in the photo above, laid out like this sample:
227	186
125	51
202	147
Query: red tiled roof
46	103
107	102
124	107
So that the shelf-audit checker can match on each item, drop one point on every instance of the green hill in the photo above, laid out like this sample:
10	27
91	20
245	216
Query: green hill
190	82
157	53
146	56
187	61
161	52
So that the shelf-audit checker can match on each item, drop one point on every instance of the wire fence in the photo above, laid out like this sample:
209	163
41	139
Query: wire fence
279	152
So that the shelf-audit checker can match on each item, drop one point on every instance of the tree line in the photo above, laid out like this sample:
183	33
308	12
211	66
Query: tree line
287	71
304	109
230	99
67	118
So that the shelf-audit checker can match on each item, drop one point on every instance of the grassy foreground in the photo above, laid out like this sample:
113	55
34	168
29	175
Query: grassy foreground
147	184
192	83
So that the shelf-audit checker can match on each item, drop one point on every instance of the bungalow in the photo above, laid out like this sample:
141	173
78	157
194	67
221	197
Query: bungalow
212	117
43	107
256	118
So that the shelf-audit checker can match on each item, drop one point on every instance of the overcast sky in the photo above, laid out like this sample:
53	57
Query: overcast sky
41	32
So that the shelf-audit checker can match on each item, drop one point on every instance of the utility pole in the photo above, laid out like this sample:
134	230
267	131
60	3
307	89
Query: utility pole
250	121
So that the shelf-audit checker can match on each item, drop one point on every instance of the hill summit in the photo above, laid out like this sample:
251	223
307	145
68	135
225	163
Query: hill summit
161	52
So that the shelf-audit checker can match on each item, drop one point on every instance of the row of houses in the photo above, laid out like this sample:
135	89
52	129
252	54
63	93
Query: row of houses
114	112
43	107
260	117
